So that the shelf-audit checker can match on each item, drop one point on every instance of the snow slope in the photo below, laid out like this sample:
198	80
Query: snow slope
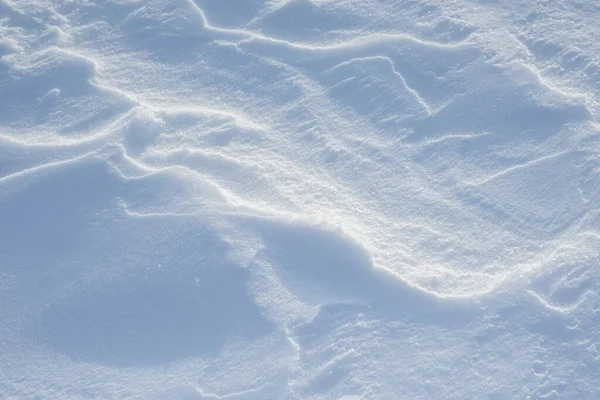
299	199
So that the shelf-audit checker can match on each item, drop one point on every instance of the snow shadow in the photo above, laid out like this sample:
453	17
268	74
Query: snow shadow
98	284
48	214
156	319
323	267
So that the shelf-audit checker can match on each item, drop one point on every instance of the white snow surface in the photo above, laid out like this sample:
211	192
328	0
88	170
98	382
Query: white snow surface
299	199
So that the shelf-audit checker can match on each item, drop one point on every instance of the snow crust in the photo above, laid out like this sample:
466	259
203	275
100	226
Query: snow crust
299	199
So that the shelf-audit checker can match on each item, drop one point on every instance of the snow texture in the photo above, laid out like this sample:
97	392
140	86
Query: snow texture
299	199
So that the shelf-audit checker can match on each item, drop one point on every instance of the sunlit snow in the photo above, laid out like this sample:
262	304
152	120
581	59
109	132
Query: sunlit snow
299	199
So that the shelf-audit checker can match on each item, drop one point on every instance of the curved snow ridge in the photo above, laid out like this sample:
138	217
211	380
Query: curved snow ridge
93	291
330	259
387	60
200	192
56	88
568	60
231	201
357	43
364	214
170	122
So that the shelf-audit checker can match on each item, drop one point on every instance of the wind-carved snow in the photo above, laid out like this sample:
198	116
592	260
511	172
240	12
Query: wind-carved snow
299	199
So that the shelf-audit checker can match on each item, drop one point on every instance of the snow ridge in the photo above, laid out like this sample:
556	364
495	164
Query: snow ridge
299	199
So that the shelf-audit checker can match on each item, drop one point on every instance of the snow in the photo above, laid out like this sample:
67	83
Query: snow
299	199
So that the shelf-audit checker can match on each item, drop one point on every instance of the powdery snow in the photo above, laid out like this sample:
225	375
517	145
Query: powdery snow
299	199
